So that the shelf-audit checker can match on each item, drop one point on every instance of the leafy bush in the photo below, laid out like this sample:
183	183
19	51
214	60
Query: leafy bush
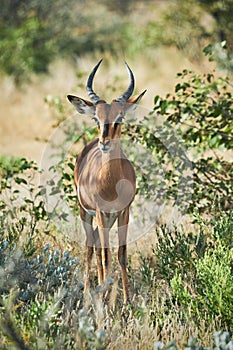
23	212
191	144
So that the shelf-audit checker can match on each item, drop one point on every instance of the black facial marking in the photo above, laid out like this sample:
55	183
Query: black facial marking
106	129
116	125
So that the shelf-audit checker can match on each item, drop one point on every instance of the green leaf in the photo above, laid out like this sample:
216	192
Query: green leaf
20	180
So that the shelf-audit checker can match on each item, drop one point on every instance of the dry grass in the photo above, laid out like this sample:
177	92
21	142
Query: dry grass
138	331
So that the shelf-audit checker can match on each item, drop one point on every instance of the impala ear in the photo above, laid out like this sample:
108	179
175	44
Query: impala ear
133	102
81	105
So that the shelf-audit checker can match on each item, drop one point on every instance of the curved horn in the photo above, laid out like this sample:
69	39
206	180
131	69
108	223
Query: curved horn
94	98
126	95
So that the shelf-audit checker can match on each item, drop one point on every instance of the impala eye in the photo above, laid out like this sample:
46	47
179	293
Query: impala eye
97	121
118	120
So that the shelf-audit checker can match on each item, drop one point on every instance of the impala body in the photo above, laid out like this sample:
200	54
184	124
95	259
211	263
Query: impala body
105	179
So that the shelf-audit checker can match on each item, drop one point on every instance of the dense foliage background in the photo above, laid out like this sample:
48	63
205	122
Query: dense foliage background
181	274
34	33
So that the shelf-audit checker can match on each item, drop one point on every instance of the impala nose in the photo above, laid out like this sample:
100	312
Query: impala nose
105	146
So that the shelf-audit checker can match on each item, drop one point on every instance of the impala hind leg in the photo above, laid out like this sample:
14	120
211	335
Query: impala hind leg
122	251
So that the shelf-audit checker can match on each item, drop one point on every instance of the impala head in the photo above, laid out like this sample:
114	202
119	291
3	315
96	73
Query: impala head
108	117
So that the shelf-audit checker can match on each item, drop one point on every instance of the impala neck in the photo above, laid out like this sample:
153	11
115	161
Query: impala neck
111	164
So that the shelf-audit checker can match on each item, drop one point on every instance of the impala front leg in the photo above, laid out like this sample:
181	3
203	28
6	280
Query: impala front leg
98	251
123	220
87	224
104	242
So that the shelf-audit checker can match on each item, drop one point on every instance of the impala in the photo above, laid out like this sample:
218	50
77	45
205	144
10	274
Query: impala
105	179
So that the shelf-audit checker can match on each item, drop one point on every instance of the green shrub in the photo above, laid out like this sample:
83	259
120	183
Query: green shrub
208	289
190	144
23	211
